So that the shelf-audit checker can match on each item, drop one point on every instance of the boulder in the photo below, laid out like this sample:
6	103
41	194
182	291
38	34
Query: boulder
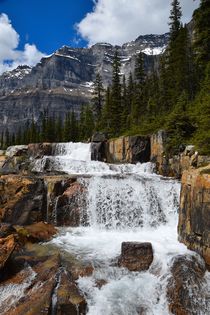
136	256
186	287
69	298
21	199
7	245
37	232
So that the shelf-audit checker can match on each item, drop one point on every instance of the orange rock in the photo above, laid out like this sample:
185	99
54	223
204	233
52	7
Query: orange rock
7	245
194	214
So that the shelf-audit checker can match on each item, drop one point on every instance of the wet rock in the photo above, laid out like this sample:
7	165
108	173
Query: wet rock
69	298
76	267
21	199
70	204
194	214
37	232
37	298
100	283
136	256
38	150
7	246
6	229
128	149
186	287
98	151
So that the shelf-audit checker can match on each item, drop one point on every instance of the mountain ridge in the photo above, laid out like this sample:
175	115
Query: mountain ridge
63	81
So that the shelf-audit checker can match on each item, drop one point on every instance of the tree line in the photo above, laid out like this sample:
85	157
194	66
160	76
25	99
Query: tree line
174	97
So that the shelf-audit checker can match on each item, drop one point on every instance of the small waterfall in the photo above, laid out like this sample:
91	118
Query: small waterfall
128	202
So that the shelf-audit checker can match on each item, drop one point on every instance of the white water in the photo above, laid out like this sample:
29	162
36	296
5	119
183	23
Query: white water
75	158
124	203
10	294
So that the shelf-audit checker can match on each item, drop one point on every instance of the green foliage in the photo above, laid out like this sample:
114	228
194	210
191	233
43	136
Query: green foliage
201	18
175	17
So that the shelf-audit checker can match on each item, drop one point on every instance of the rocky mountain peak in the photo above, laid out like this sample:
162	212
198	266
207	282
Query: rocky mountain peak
63	80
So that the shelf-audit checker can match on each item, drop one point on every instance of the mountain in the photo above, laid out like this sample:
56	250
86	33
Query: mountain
63	81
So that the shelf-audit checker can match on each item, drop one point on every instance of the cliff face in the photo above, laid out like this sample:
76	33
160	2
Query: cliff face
194	216
175	165
63	81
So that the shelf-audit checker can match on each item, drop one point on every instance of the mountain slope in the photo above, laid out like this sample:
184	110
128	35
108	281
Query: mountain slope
63	81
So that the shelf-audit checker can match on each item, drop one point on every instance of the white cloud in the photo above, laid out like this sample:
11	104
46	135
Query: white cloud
119	21
10	57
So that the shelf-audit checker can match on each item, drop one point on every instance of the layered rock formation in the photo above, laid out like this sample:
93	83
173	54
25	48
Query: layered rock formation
175	165
194	216
63	81
130	149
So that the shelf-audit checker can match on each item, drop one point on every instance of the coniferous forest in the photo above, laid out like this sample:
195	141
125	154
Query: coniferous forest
174	97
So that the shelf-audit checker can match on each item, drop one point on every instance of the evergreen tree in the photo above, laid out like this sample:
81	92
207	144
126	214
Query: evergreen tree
106	112
115	103
97	100
175	19
201	18
139	70
201	112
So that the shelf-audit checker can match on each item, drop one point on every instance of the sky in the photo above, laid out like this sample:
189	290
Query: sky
32	29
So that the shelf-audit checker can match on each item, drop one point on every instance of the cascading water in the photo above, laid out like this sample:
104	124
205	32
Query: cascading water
124	203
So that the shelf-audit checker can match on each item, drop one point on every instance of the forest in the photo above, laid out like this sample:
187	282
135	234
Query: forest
174	97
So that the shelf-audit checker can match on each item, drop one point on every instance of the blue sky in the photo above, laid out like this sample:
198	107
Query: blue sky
48	24
30	29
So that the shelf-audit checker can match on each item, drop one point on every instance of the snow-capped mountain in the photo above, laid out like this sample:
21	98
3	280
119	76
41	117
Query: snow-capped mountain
63	81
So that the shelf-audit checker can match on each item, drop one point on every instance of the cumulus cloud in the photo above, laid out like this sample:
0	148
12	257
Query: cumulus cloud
120	21
10	56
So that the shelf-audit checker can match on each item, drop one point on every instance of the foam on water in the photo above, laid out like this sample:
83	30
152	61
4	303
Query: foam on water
75	158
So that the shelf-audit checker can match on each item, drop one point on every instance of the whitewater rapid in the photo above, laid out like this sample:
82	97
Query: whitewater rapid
123	203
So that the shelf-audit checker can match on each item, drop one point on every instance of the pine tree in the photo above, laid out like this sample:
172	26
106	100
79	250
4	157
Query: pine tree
106	111
97	100
115	103
139	70
89	122
201	19
175	19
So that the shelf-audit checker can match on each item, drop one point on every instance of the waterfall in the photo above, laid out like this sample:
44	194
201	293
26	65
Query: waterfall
130	201
123	203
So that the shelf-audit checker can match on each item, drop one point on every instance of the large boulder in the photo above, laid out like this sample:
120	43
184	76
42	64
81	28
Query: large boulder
22	199
194	214
136	256
187	288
